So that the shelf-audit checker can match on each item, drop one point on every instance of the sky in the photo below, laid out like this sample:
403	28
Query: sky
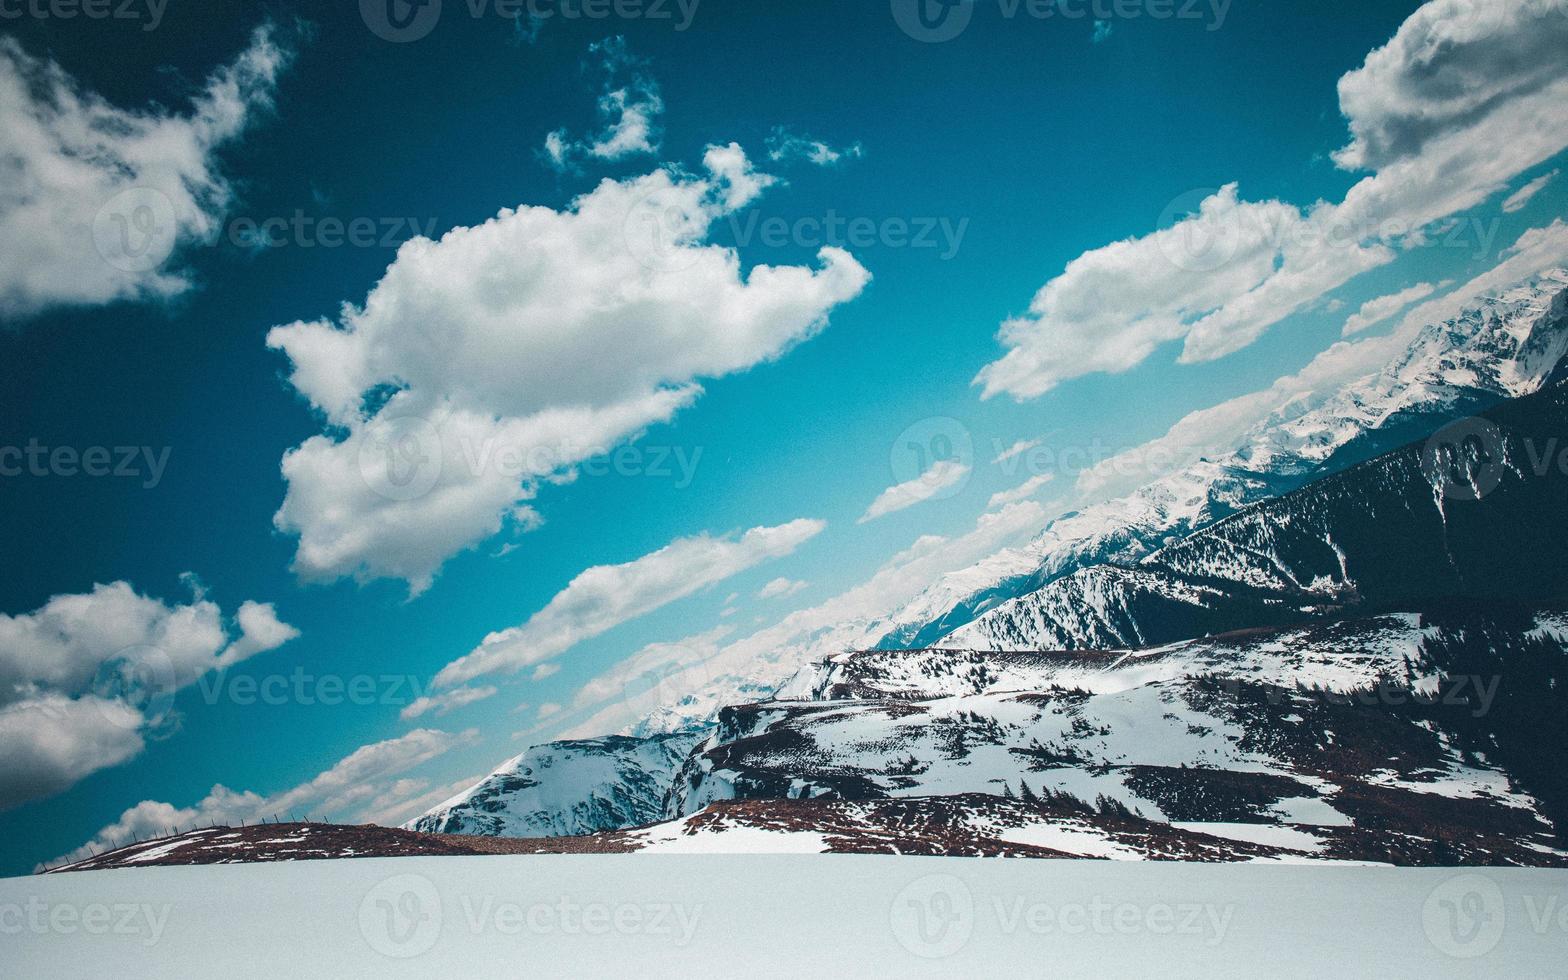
380	391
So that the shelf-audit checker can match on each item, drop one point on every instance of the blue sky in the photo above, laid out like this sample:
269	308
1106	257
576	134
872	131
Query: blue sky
1021	145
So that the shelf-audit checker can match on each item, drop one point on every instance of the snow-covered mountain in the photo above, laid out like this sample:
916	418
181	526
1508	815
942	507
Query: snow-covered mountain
1381	533
1189	554
566	788
1377	739
1503	347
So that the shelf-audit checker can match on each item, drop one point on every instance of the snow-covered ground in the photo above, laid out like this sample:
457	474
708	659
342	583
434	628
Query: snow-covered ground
842	915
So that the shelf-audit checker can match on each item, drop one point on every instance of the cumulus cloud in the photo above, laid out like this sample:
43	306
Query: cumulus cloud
784	146
370	778
1466	96
629	111
605	596
1375	311
1450	65
1519	198
97	199
781	588
497	359
86	676
440	704
943	475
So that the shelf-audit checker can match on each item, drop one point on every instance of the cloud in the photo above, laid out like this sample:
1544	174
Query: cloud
1023	491
1518	199
548	709
1450	65
544	671
943	475
1102	31
605	596
1375	311
97	199
1015	450
85	677
707	675
1536	251
1223	427
784	146
497	359
648	667
1466	96
440	704
50	742
781	588
369	777
397	807
629	111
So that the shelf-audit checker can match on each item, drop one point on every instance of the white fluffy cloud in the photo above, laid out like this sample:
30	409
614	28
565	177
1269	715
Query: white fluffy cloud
1524	195
629	111
781	588
500	357
1375	311
605	596
97	199
943	475
85	676
1451	64
1023	491
1467	95
365	782
440	704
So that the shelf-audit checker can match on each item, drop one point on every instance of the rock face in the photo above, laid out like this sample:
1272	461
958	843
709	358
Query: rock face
567	788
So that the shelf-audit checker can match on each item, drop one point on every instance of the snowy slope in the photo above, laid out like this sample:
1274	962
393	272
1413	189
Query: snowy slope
771	915
1381	533
563	788
1333	730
